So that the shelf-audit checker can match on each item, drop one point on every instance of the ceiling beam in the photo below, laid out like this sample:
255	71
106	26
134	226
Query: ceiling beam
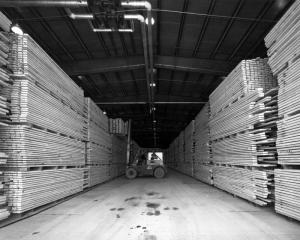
116	64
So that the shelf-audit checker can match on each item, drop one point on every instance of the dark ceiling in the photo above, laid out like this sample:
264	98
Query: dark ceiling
193	51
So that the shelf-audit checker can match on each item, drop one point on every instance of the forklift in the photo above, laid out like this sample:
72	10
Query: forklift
142	165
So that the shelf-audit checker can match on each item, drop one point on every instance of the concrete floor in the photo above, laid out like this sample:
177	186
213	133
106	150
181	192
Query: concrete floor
175	208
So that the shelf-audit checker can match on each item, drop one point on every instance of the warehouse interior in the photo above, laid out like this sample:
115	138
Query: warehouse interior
89	87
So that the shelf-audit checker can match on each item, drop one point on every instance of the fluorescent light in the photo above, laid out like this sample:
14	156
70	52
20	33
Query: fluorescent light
104	112
17	29
153	84
152	21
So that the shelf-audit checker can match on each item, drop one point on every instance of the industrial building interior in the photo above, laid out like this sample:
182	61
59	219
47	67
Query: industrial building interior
156	65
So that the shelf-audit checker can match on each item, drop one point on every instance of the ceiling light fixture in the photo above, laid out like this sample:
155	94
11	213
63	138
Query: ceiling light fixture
152	84
104	112
15	28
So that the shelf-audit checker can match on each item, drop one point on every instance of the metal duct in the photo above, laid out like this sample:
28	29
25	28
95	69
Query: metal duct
43	3
75	16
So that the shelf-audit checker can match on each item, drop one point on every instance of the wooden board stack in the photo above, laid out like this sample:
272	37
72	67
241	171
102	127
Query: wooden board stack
287	188
31	189
283	43
243	130
5	88
251	184
189	149
248	76
99	144
118	126
47	133
202	157
119	154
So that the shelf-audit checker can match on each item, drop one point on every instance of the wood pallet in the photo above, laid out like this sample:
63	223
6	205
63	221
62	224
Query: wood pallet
31	189
287	192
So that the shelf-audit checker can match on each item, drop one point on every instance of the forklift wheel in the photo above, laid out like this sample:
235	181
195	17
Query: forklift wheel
159	172
131	173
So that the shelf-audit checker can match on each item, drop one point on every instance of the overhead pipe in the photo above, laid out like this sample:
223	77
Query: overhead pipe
43	3
150	68
111	29
141	18
75	16
148	6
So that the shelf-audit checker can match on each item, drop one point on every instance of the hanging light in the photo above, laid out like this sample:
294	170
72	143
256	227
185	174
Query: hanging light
152	21
15	28
104	112
152	84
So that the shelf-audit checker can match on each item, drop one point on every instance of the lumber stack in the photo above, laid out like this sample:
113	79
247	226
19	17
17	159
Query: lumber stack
202	158
31	189
287	192
204	172
5	88
189	149
248	76
243	131
99	144
118	126
283	43
119	154
248	183
47	133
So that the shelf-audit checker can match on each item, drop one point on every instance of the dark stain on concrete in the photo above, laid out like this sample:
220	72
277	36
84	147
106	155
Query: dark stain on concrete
152	205
152	193
157	213
144	228
118	216
150	237
138	226
34	233
112	209
131	199
96	200
150	214
135	204
166	208
175	208
121	209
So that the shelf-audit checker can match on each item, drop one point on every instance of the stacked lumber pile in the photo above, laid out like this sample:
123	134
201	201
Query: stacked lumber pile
47	133
31	189
189	149
118	126
283	43
287	188
251	184
119	154
99	144
243	130
5	88
202	158
204	172
248	76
